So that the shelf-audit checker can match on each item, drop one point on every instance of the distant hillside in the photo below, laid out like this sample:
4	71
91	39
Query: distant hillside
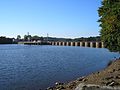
75	40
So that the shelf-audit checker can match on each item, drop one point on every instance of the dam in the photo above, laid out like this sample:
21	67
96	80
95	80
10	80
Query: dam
92	44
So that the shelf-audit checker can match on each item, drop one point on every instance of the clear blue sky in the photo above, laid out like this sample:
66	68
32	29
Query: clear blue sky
59	18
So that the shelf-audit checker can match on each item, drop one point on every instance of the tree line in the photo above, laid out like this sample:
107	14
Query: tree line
29	38
4	40
36	38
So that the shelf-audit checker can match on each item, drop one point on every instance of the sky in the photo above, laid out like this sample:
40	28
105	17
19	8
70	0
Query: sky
58	18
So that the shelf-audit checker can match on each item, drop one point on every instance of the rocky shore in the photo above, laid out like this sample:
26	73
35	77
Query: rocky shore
107	79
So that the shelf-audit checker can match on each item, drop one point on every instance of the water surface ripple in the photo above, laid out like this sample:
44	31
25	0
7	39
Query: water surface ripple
25	67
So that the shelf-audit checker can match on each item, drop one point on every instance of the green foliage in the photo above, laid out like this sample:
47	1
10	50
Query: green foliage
109	20
37	38
97	38
18	37
32	38
27	37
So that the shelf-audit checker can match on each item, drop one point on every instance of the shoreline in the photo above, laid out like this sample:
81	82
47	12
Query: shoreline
108	78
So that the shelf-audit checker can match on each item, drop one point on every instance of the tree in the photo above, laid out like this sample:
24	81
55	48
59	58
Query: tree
18	37
35	37
27	37
109	20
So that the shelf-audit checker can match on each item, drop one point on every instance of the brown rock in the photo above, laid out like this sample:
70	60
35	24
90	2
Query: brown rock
107	78
112	83
80	79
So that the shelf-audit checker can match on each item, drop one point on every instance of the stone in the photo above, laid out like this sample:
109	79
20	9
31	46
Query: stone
117	77
49	88
58	83
71	85
84	80
60	87
80	79
112	83
113	70
84	86
107	78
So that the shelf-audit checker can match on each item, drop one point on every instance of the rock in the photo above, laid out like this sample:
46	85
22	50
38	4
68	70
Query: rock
103	82
112	83
84	86
107	83
107	78
71	85
84	80
62	87
98	72
114	70
80	79
58	83
49	88
59	87
117	77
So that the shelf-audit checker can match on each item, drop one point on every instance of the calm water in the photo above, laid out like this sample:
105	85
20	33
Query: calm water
37	67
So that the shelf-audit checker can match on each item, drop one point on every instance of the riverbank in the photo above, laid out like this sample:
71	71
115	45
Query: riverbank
107	78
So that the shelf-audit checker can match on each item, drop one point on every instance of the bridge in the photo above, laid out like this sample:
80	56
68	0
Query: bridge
93	44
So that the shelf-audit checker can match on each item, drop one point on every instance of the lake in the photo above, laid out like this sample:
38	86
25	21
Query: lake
25	67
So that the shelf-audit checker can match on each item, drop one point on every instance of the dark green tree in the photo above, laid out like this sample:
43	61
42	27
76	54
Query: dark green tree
109	20
27	37
18	37
37	38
